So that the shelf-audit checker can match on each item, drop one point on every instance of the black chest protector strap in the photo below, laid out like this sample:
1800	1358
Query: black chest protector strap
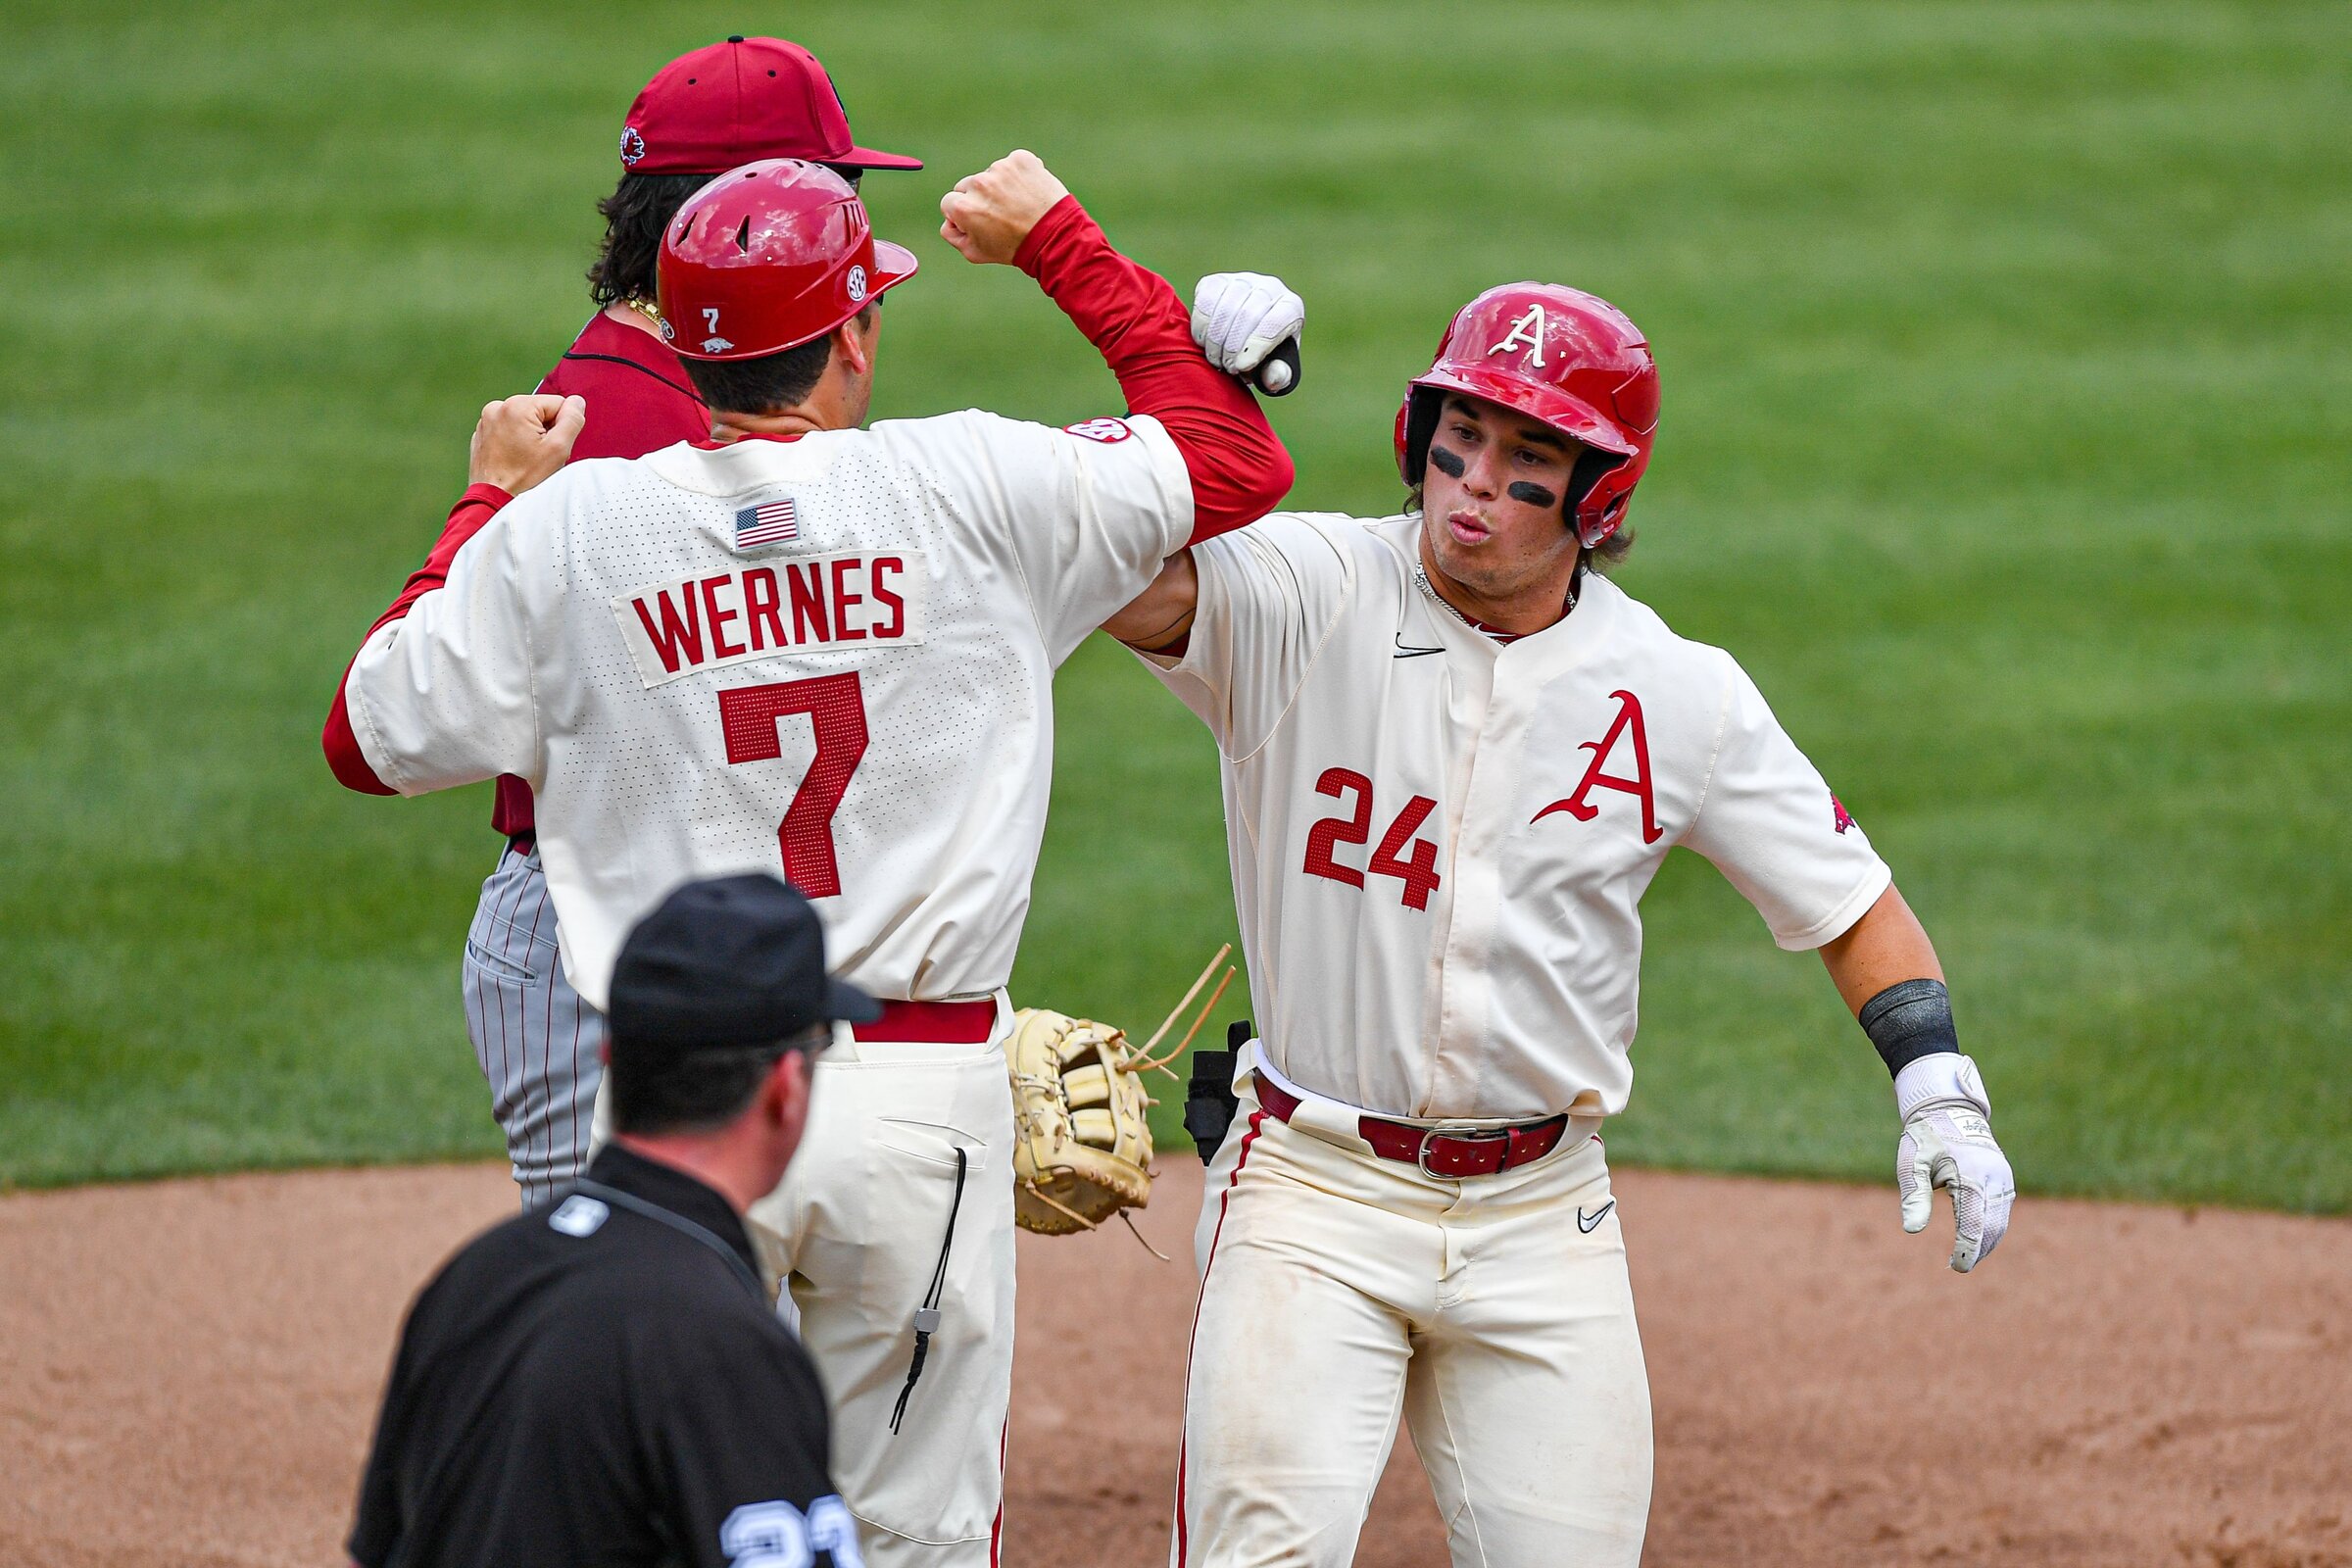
679	1223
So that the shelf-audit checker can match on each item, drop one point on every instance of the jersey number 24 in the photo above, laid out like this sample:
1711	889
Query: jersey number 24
836	709
1418	871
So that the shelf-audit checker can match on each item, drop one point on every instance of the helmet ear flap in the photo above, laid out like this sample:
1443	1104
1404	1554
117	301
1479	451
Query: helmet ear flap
1592	533
1416	423
1591	466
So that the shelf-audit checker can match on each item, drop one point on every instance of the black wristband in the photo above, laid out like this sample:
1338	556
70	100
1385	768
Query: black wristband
1908	1021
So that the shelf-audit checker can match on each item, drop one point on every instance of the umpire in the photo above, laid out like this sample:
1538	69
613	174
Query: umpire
603	1381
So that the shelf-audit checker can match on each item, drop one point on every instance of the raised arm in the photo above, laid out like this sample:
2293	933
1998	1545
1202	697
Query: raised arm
1238	319
1160	618
1016	213
517	443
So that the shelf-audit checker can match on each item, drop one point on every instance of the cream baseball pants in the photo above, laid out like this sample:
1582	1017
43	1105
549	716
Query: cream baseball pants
857	1230
1340	1289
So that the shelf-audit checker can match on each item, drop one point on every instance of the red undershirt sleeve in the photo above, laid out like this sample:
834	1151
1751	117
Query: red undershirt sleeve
1239	469
476	506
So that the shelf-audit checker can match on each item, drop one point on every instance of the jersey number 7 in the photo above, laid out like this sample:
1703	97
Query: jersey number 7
836	709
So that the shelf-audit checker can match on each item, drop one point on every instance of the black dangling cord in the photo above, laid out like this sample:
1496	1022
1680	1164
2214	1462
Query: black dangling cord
926	1316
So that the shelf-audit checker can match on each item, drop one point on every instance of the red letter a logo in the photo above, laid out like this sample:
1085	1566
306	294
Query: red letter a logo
1629	715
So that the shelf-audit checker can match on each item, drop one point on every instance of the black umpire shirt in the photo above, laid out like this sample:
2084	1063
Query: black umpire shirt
601	1383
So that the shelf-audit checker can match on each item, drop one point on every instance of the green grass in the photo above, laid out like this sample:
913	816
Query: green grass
2005	354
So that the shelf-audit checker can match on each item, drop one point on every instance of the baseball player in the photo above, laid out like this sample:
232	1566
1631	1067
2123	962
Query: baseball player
1454	756
815	648
703	114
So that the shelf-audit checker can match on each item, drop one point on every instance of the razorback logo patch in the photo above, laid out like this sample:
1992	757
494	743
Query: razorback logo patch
1839	818
1110	433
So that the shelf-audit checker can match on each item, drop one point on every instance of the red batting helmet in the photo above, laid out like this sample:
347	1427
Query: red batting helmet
769	256
1558	355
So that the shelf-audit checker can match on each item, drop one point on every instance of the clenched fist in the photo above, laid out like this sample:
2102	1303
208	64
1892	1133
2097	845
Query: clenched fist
988	215
521	441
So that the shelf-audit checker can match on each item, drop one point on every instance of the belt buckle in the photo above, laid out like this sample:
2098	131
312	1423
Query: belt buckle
1467	1135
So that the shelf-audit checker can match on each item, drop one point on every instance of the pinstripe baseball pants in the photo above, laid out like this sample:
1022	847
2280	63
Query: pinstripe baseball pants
539	1044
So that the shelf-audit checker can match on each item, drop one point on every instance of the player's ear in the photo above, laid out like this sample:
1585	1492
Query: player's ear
854	339
787	1087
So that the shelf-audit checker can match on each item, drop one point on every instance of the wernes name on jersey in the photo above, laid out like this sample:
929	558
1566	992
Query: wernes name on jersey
802	605
904	617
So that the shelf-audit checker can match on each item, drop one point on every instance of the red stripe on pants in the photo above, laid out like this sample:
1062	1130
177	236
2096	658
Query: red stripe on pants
995	1529
1184	1553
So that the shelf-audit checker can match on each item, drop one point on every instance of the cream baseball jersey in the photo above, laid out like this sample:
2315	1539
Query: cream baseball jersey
829	656
1440	842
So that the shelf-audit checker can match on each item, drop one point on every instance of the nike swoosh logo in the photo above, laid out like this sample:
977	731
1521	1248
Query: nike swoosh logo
1586	1225
1404	652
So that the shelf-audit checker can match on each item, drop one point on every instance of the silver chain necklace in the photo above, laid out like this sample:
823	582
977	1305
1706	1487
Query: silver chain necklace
1421	580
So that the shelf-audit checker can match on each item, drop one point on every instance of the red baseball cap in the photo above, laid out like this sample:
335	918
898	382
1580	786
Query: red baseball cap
739	102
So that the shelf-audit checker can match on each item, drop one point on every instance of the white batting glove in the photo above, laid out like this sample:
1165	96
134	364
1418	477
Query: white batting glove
1241	318
1948	1142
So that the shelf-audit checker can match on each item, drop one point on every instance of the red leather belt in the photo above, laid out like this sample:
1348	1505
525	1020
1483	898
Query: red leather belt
1447	1157
945	1023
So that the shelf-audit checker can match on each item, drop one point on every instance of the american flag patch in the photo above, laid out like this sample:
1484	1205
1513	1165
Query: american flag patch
771	522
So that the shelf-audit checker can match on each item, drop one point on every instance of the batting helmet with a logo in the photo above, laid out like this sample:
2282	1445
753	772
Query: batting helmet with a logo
769	256
1558	355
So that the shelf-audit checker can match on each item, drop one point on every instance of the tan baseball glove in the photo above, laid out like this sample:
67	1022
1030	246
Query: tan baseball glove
1083	1149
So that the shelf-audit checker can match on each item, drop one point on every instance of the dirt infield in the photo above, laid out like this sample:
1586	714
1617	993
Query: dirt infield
187	1371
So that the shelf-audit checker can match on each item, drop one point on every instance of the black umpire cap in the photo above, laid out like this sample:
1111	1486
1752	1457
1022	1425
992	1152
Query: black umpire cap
731	962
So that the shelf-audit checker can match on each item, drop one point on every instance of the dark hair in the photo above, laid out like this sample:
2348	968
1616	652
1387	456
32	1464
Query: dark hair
639	209
769	383
660	1092
1611	552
